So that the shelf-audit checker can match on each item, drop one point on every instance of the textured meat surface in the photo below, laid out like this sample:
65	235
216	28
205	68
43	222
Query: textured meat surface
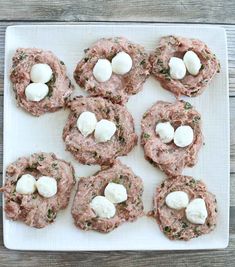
33	209
119	87
60	86
85	149
190	85
168	157
173	223
88	188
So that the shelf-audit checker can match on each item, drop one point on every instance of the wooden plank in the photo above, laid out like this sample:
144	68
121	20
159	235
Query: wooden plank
112	10
231	52
215	258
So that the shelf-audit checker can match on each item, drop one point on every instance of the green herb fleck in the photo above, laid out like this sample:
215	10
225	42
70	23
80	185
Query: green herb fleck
160	62
202	67
61	62
219	67
196	231
167	229
165	71
146	135
54	165
192	183
187	106
22	56
184	225
142	62
122	140
96	155
41	157
196	119
117	98
51	215
145	115
50	84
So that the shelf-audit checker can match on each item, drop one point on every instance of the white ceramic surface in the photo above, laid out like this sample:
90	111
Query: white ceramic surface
25	134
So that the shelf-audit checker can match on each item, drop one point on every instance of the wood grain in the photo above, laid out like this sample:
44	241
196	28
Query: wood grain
113	10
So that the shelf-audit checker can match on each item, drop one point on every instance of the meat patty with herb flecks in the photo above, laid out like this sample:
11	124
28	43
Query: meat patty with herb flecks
86	149
119	87
34	209
167	156
90	187
173	223
174	46
59	85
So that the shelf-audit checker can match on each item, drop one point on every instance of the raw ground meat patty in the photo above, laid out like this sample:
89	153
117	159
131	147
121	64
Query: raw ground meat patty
119	87
173	46
85	149
173	223
168	157
35	210
93	186
60	86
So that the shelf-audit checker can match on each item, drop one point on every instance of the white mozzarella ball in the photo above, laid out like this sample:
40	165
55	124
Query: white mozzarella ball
40	73
116	193
104	130
192	62
102	70
36	91
183	136
196	211
165	131
121	63
26	184
46	186
86	123
177	68
177	200
103	207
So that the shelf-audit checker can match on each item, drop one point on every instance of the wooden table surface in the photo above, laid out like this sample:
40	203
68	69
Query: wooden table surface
221	12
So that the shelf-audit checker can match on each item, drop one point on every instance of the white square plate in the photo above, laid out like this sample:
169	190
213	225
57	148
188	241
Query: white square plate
25	134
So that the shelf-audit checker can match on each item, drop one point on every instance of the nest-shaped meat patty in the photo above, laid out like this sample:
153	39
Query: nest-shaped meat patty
119	87
174	46
173	223
170	158
85	149
34	209
60	86
88	188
